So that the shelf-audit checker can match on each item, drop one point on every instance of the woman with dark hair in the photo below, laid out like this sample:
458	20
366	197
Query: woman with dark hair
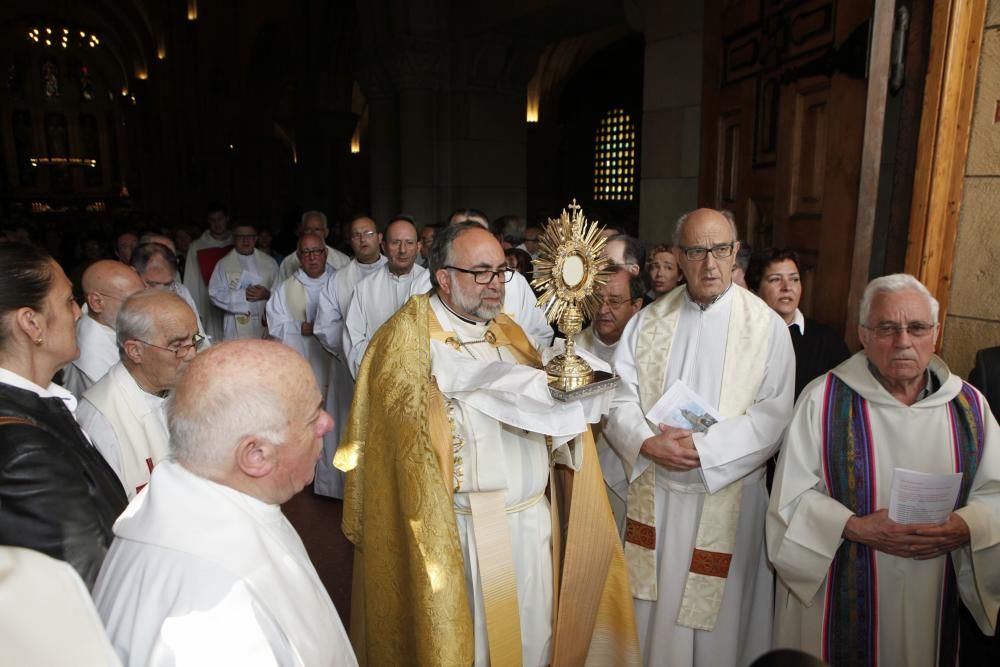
57	494
774	275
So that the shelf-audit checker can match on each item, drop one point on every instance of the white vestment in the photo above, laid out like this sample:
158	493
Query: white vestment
201	574
519	303
500	413
734	451
49	618
294	302
335	259
183	292
590	341
376	299
805	524
334	301
98	353
228	290
127	425
211	317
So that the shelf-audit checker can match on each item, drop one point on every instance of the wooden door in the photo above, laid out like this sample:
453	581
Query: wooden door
782	127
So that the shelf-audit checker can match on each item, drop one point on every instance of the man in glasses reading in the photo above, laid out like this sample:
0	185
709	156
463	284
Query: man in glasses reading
696	500
854	585
123	413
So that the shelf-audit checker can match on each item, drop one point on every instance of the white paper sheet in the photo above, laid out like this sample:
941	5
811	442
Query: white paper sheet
682	407
920	497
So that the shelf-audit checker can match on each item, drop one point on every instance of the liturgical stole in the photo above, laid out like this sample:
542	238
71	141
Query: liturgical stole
850	620
743	371
295	297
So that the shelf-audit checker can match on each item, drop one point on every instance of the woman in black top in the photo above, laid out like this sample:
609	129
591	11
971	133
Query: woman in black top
774	276
57	494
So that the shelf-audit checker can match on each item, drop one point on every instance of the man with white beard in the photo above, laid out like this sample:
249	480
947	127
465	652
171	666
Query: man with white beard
334	302
380	295
241	285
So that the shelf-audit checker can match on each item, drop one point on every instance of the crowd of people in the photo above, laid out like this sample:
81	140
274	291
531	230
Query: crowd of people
157	409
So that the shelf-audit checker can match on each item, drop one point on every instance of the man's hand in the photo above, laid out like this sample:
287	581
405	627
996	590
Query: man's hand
673	449
920	541
258	293
307	328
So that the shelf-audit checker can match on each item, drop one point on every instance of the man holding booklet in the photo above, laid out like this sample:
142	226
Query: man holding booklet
706	385
872	539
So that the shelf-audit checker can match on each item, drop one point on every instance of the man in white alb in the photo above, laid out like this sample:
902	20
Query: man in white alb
155	261
241	285
204	568
696	501
519	303
619	304
203	254
380	295
106	284
312	222
123	412
334	301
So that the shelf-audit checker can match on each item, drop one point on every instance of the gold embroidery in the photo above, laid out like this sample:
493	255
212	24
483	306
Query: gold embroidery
457	444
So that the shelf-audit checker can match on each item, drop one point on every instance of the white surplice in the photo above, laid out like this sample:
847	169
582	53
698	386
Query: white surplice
502	425
211	317
335	259
733	451
376	299
334	301
286	326
201	574
98	353
805	525
590	341
230	295
183	292
520	304
127	425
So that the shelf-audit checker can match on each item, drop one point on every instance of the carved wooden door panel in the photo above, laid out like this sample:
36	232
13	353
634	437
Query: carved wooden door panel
782	128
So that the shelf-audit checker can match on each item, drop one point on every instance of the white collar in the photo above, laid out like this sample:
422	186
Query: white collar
301	276
52	391
800	321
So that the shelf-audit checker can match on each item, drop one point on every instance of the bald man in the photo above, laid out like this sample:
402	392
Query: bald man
312	222
106	285
204	568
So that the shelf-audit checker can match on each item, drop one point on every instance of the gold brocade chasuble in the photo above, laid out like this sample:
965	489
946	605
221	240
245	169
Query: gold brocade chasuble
743	372
409	600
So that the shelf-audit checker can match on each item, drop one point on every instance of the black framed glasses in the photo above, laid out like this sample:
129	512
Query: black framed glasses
313	252
913	329
180	351
698	253
486	276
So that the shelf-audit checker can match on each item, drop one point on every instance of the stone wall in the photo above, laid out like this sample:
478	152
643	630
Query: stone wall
973	320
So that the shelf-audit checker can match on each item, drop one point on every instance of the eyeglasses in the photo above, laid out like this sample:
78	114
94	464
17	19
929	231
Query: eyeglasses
180	351
486	276
312	253
363	235
913	329
698	253
613	302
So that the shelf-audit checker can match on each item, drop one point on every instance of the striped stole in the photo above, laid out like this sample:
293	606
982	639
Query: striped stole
850	618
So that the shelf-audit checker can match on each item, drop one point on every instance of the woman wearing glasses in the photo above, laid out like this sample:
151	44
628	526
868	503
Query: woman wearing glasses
57	494
775	277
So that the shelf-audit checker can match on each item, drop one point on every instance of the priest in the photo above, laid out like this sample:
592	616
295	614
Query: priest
696	500
460	557
203	254
380	295
857	586
241	284
312	222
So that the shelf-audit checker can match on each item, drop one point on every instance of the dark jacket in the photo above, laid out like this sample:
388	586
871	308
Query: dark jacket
986	377
821	349
57	493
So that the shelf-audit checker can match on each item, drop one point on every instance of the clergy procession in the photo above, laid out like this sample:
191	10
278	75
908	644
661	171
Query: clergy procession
723	485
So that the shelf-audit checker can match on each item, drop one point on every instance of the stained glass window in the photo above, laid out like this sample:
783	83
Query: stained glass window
614	157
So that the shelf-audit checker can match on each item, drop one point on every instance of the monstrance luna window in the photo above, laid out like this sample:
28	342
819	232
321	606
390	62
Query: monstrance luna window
614	157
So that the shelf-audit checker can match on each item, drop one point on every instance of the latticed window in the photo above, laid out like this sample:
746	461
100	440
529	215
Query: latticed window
614	157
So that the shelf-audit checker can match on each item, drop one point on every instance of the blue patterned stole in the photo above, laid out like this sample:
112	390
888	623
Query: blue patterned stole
850	618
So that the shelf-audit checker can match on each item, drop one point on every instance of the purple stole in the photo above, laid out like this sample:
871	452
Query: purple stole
850	618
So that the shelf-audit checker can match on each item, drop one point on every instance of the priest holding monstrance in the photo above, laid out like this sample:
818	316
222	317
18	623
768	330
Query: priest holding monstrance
474	496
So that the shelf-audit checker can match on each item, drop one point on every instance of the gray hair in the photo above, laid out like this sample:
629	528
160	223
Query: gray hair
681	221
440	253
313	214
896	282
137	317
204	434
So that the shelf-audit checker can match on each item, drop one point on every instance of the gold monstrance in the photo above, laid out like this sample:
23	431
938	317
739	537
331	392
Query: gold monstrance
569	271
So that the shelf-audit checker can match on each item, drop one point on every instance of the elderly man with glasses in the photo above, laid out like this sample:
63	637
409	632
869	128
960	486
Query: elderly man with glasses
696	496
155	260
859	582
123	413
454	438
